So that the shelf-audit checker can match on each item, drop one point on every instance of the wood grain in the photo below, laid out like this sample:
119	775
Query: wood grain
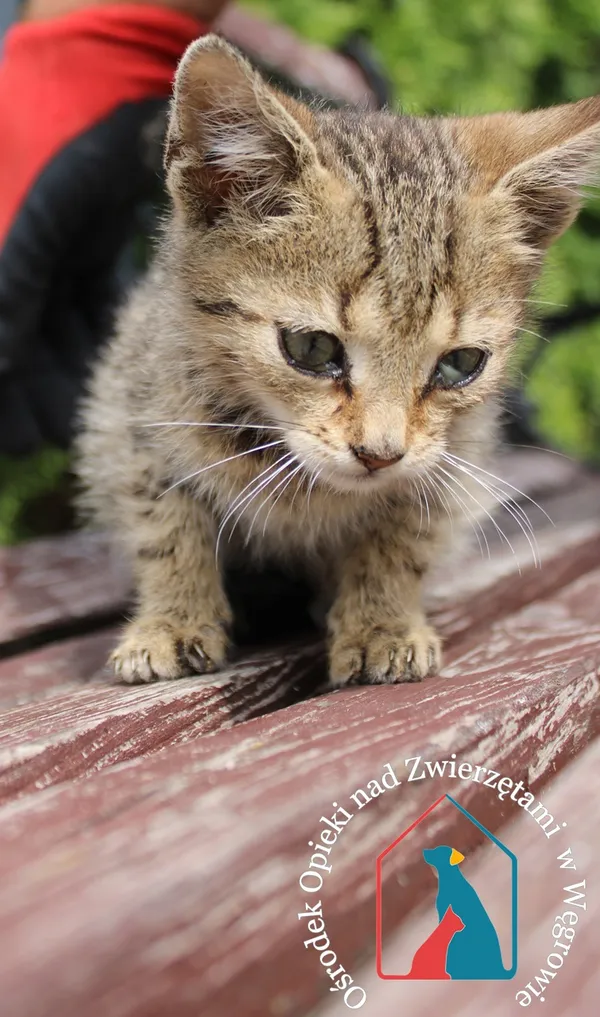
61	717
72	730
169	884
57	582
147	871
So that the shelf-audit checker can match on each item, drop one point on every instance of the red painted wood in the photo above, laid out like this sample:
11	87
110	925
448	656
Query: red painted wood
57	724
169	884
56	581
74	729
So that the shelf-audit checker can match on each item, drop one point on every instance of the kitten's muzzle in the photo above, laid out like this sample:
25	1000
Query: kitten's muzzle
372	461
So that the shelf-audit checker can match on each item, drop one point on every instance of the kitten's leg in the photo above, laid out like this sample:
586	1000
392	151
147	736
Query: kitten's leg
180	626
378	631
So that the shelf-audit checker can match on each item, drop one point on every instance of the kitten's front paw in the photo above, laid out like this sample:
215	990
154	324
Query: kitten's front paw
154	648
382	655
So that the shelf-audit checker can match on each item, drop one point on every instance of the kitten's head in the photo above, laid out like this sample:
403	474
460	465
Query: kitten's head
360	278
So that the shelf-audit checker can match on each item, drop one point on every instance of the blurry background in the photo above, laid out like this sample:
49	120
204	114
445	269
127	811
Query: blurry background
461	56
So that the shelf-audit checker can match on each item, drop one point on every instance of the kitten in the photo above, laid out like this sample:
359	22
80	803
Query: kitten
323	338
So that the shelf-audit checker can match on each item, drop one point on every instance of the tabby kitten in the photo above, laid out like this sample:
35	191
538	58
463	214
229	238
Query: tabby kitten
319	348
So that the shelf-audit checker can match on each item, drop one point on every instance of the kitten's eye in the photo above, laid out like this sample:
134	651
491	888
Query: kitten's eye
316	352
458	368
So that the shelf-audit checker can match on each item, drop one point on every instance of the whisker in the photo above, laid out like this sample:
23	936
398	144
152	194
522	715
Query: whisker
264	502
430	479
424	489
517	513
449	456
240	502
212	466
503	498
499	530
288	481
536	334
247	487
538	448
315	476
255	494
469	516
417	488
196	423
550	303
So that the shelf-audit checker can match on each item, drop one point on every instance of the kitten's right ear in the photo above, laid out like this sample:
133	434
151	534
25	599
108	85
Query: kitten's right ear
231	137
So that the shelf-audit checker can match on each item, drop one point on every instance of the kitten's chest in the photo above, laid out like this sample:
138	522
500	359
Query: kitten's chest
310	530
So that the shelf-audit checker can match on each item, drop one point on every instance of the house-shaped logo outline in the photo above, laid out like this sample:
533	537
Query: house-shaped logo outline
511	972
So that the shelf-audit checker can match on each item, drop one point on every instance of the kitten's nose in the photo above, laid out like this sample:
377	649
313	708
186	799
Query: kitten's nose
373	462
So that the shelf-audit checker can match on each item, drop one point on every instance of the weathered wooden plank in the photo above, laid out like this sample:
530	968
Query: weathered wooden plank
169	884
77	731
574	990
64	666
57	582
56	724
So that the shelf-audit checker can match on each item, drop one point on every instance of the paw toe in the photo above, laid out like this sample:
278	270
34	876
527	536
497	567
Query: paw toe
150	651
384	657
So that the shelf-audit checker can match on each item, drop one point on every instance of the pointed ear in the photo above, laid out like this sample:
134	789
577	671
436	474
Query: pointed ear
232	138
539	161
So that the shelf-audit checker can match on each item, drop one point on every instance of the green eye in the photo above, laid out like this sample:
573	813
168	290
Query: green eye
458	368
315	352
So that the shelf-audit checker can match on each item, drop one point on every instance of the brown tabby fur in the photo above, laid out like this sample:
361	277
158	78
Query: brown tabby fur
406	238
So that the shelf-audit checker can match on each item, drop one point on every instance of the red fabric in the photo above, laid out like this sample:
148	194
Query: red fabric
60	77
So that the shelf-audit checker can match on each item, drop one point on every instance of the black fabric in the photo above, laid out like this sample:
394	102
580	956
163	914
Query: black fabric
61	270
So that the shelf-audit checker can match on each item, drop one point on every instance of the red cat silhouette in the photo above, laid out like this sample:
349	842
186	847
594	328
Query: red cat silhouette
430	959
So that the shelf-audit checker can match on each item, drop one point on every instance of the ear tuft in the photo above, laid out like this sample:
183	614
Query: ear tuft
539	161
231	138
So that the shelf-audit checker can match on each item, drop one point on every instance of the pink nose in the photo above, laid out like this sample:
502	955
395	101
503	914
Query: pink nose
373	462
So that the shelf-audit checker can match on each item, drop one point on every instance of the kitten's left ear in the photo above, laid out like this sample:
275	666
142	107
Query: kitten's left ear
539	161
231	137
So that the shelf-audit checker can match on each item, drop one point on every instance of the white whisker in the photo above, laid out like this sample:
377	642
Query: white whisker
512	507
430	479
550	303
427	511
315	476
469	515
212	466
264	502
237	499
288	481
457	459
470	494
196	423
240	502
536	334
417	489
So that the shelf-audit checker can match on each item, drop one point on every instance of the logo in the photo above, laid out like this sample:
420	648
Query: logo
457	921
466	941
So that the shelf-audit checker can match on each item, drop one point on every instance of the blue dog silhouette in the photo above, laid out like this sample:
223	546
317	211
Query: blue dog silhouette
474	952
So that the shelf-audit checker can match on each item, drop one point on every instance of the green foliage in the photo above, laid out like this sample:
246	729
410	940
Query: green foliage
460	56
566	389
31	483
